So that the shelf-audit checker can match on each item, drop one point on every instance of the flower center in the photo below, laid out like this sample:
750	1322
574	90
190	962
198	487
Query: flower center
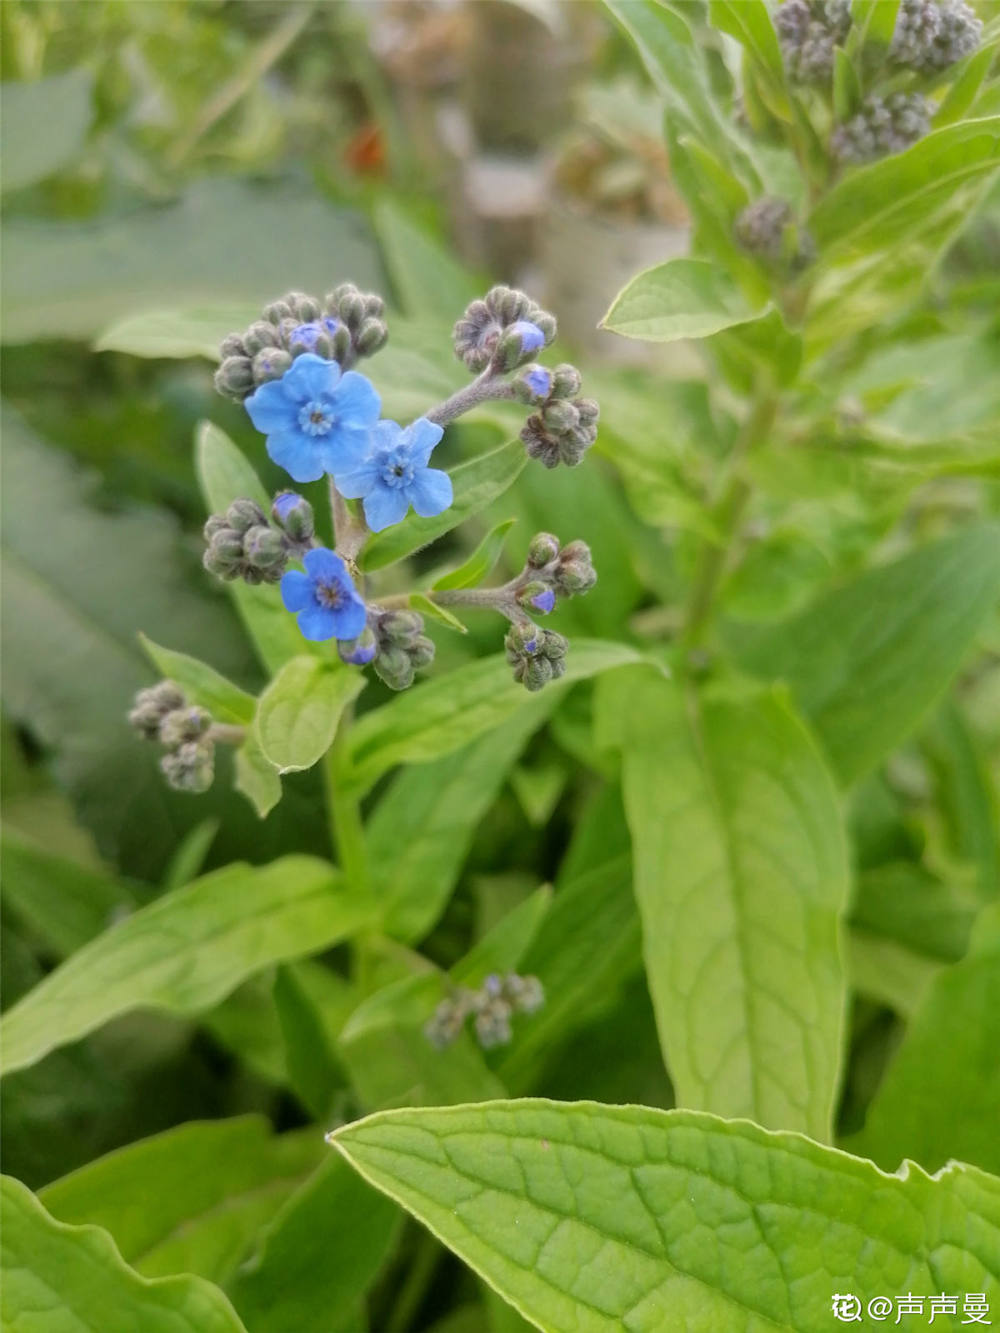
328	594
395	469
315	418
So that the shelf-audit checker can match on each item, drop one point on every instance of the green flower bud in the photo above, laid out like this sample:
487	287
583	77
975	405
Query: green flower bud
190	767
232	345
575	571
264	550
374	306
294	515
560	416
543	549
509	304
399	627
234	378
260	335
184	724
243	514
394	668
352	309
527	593
566	381
278	311
305	308
546	322
340	343
152	705
422	652
270	364
215	523
224	554
371	337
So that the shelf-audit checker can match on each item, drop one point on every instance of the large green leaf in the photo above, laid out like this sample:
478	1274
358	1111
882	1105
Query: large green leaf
44	125
191	331
318	1257
299	711
74	1280
451	710
867	660
741	877
202	684
595	1219
940	1098
189	1200
477	483
225	240
683	298
185	951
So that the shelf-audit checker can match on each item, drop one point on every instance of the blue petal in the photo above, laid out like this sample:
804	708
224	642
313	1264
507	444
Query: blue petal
530	334
318	623
296	454
350	619
296	590
430	492
384	507
386	434
357	402
421	437
322	563
309	376
344	448
270	409
356	481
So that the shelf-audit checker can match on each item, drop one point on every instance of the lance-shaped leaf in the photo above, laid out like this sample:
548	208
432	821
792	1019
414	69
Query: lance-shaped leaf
73	1279
867	660
299	711
683	298
186	951
189	1200
740	868
476	483
597	1219
202	684
479	564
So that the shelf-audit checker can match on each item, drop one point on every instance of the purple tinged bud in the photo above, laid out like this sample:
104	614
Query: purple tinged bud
294	514
544	601
539	381
530	334
359	651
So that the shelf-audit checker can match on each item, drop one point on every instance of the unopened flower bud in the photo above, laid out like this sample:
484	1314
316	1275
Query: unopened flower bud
543	549
232	345
305	307
517	343
374	305
224	554
234	377
394	668
278	311
561	416
400	627
533	385
260	335
508	304
575	571
243	514
152	705
340	342
191	767
264	550
270	364
184	724
352	309
536	596
371	337
213	524
526	994
882	126
359	651
294	515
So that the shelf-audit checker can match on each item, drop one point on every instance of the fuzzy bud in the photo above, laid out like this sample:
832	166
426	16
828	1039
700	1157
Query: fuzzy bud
152	705
223	556
930	36
260	335
184	724
566	381
808	31
243	514
371	337
270	364
359	651
234	377
232	345
536	596
191	767
294	515
883	125
575	571
264	550
533	385
535	654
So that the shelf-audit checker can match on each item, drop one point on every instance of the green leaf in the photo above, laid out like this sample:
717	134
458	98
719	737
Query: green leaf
964	90
903	902
300	710
874	20
75	278
867	660
939	1098
189	858
480	563
503	948
846	86
968	795
450	711
313	1069
225	475
188	1200
185	951
887	972
318	1257
477	483
603	1218
419	834
192	331
741	878
425	277
76	1273
422	603
202	684
876	206
44	125
256	777
683	298
749	22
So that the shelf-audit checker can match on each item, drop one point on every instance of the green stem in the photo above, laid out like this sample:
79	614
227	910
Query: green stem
344	810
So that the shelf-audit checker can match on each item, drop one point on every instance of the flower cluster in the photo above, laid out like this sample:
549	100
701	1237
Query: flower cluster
493	1005
502	330
882	125
930	35
162	713
808	31
767	228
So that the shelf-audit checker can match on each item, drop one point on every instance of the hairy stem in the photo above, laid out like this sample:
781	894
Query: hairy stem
349	533
485	388
226	733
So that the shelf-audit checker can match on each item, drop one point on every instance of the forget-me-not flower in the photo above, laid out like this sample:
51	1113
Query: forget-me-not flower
316	419
324	597
394	475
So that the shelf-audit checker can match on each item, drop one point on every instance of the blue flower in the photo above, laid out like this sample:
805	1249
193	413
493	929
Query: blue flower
326	600
539	381
316	420
544	601
395	475
530	334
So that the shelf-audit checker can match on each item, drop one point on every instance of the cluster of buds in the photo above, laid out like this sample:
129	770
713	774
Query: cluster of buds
552	570
395	644
767	228
931	35
883	125
564	427
493	1005
162	713
808	31
536	655
345	325
502	331
243	545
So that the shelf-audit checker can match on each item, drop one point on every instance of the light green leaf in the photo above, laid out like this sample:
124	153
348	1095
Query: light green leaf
741	878
968	794
875	206
599	1219
874	21
683	298
77	1273
450	711
867	660
419	834
477	483
188	1200
422	603
193	331
749	22
887	972
503	948
313	1069
318	1257
846	85
964	90
941	1095
202	684
225	475
44	125
479	564
904	902
189	858
300	710
185	951
425	277
256	777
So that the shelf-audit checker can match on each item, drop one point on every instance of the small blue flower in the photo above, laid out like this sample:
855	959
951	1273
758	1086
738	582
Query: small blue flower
395	475
324	597
316	420
544	601
359	651
530	334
